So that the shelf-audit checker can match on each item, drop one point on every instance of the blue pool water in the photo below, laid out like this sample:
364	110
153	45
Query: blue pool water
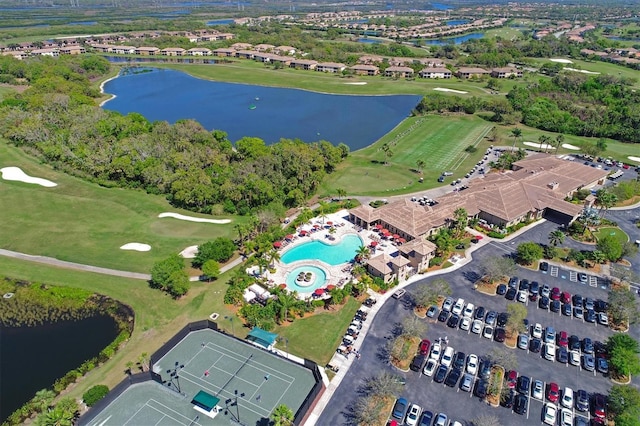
318	280
332	254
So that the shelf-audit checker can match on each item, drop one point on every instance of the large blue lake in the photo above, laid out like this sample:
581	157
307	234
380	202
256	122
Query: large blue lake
265	112
454	40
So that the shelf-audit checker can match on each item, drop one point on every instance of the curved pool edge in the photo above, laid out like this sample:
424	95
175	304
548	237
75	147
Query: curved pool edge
318	238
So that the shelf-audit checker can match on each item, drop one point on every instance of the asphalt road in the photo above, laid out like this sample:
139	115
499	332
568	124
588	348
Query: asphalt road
457	404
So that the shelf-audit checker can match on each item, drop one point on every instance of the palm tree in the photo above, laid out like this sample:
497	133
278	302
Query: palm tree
421	165
323	207
559	141
143	360
544	140
606	200
284	303
516	133
362	253
273	256
598	256
341	192
387	152
43	398
461	217
282	416
56	417
556	237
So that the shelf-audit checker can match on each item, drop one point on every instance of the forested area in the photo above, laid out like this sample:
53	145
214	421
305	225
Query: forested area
57	119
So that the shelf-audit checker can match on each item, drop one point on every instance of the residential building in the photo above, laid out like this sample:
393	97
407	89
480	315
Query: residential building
173	51
303	64
73	50
403	72
466	72
199	51
506	72
224	52
330	67
147	51
369	70
46	52
435	72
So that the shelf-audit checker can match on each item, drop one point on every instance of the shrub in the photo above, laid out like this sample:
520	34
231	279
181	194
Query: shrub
471	149
95	394
494	234
436	261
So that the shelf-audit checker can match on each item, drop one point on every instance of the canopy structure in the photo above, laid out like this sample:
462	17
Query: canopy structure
206	403
260	337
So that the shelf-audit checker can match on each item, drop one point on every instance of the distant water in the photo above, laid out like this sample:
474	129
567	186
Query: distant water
34	357
169	95
622	38
220	22
455	22
83	23
454	40
369	40
441	6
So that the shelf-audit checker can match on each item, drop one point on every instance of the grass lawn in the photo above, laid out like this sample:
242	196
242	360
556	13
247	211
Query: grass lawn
4	90
317	337
437	140
596	66
158	316
616	232
85	223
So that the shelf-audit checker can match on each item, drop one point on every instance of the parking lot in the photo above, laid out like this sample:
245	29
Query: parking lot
460	405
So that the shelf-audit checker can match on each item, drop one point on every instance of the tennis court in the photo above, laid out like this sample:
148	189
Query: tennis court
248	382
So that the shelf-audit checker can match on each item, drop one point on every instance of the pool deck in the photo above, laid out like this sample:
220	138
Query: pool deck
318	230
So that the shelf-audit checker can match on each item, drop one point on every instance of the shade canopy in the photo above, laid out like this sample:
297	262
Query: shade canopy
262	337
331	287
396	236
283	286
329	223
379	226
373	243
277	244
289	237
205	400
319	292
303	232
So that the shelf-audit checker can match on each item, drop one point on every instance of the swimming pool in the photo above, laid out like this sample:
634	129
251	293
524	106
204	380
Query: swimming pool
332	254
319	277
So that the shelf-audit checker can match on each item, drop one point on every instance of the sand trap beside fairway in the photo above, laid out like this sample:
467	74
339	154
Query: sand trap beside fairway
194	219
357	83
16	173
136	247
538	145
632	158
442	89
561	61
190	252
571	147
582	71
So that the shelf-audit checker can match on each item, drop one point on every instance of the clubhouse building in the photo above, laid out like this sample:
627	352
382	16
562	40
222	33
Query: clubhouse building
536	187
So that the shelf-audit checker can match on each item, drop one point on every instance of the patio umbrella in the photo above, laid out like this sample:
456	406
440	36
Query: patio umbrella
303	232
373	243
396	236
319	292
289	237
331	287
329	223
316	226
277	244
478	237
385	231
379	226
283	286
402	240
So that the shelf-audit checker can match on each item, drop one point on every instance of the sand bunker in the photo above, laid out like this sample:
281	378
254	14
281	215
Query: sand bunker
16	173
136	247
582	71
357	83
636	159
194	219
571	147
442	89
538	145
190	252
562	61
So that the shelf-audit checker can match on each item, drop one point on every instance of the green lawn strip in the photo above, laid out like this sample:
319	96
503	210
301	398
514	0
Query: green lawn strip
618	233
85	223
317	337
252	72
157	316
437	140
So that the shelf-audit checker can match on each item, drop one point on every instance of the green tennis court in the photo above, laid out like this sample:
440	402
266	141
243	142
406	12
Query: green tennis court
248	382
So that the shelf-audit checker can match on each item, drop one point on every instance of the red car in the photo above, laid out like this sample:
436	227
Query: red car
553	392
599	406
555	293
512	378
565	297
563	339
425	345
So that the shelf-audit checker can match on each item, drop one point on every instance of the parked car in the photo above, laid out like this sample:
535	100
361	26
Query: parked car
425	345
524	383
562	355
549	352
508	399
481	388
549	414
511	294
480	313
400	409
432	312
574	358
417	364
441	420
589	303
430	367
582	277
472	364
602	365
523	341
565	297
399	293
476	326
555	293
543	302
512	378
452	378
574	342
468	310
577	300
426	418
555	306
536	331
537	389
466	383
413	415
563	339
578	312
459	360
590	316
447	356
436	351
534	288
603	319
522	296
520	406
513	282
566	417
500	335
587	345
490	319
535	345
465	324
553	392
566	309
567	397
545	291
453	321
582	400
544	266
447	304
502	319
524	284
588	362
501	290
443	316
485	368
487	332
441	373
458	307
599	406
600	306
549	335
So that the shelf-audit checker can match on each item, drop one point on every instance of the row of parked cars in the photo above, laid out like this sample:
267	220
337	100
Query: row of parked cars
414	415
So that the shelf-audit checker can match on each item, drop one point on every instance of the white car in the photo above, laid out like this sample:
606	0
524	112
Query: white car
522	296
430	367
488	332
399	293
465	324
476	326
574	358
537	389
537	331
447	356
549	352
472	364
468	310
603	319
458	307
413	415
566	417
567	398
447	304
436	351
549	414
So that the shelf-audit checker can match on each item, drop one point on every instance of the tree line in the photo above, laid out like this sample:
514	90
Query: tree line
56	118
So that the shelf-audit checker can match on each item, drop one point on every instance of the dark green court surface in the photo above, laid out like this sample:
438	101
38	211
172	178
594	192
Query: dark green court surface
207	368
